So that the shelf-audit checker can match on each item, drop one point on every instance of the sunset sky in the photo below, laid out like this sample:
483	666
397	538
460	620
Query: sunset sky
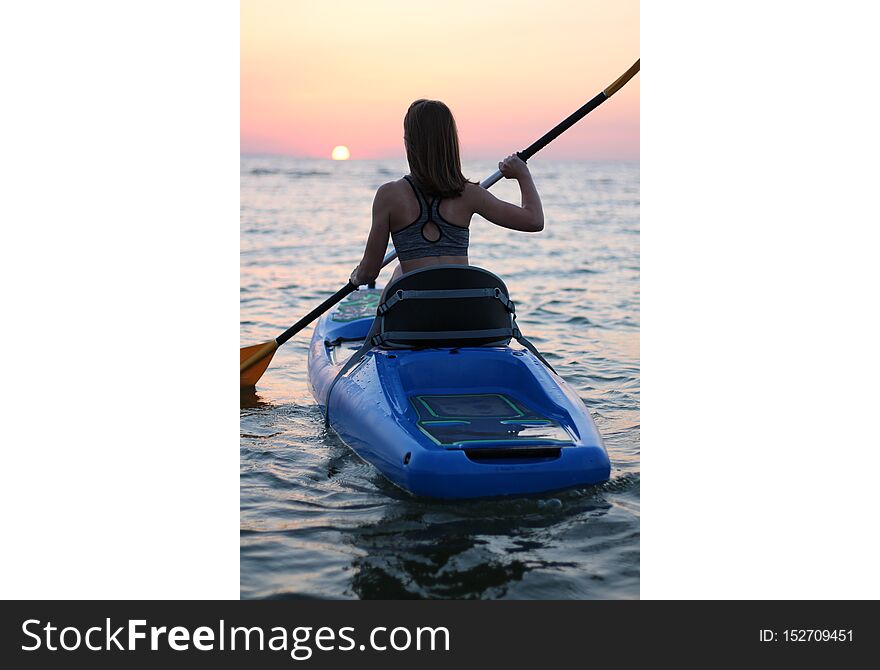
317	75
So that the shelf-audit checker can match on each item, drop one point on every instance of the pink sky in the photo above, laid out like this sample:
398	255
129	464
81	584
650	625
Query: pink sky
314	75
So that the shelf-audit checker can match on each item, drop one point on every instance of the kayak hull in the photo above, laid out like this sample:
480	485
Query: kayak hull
455	423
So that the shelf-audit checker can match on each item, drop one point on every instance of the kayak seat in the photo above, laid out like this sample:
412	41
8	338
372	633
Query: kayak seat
445	306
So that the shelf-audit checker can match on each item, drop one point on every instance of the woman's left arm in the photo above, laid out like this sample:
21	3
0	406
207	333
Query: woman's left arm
374	253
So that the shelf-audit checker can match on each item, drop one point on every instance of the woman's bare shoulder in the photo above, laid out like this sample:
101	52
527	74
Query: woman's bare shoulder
474	193
392	188
392	195
389	191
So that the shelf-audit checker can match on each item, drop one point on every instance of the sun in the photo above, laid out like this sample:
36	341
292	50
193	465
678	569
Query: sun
340	153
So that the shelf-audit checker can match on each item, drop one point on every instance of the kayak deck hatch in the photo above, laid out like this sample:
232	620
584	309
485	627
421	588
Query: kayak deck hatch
459	421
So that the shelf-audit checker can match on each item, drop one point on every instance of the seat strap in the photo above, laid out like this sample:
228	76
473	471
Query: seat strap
531	347
440	294
519	337
341	340
499	333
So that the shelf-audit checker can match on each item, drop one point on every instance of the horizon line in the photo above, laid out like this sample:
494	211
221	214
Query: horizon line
270	154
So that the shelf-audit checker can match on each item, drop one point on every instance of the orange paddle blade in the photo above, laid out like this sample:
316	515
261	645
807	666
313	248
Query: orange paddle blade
254	361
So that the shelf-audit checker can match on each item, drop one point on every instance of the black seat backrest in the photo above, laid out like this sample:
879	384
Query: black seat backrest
446	306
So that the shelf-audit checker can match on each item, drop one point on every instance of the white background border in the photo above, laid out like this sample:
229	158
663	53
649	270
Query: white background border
759	283
120	274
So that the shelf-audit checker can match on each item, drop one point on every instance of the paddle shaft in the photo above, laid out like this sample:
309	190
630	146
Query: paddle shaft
315	313
525	154
548	137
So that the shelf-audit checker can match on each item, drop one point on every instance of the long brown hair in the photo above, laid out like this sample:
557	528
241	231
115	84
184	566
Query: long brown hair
431	140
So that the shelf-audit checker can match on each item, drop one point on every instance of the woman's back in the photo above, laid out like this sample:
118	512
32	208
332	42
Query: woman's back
455	211
427	228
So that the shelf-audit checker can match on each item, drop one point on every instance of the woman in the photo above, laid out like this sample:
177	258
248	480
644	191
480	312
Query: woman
427	213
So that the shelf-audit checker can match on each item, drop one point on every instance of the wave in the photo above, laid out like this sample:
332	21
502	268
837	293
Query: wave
294	173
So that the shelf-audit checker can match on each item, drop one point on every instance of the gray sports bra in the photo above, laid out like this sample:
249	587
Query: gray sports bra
411	242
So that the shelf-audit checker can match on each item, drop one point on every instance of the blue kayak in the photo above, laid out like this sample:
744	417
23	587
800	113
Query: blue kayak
439	402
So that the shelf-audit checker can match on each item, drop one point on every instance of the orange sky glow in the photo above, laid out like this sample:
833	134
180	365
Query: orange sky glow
318	75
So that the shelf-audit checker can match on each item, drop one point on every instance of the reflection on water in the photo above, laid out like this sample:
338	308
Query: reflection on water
482	550
316	521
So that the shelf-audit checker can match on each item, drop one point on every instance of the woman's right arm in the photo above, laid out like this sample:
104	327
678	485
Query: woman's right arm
529	217
377	241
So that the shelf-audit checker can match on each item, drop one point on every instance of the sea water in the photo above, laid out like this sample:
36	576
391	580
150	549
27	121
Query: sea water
316	521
